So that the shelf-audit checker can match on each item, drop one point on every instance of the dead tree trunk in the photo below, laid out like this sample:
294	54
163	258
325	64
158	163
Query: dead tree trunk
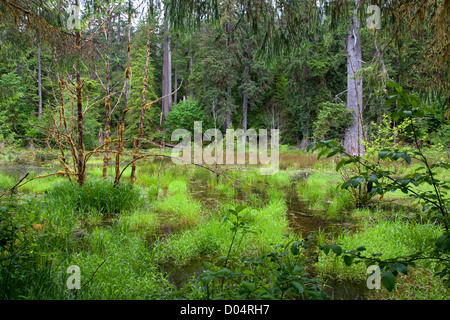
121	125
39	78
354	134
167	73
81	163
107	133
137	142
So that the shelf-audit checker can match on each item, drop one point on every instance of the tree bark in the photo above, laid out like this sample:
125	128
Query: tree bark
191	67
137	142
175	95
245	102
306	121
121	125
354	134
246	78
167	74
118	28
39	78
106	134
81	164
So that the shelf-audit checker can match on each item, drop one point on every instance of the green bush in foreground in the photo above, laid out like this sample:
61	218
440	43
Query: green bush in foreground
96	196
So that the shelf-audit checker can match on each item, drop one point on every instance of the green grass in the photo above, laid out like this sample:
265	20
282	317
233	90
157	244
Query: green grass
323	194
390	238
213	237
139	220
179	209
6	182
206	240
226	189
95	196
123	265
176	187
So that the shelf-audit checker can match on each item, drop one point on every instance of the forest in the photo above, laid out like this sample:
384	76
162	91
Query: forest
224	150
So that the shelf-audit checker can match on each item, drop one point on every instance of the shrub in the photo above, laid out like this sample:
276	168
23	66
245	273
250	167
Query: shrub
184	114
332	121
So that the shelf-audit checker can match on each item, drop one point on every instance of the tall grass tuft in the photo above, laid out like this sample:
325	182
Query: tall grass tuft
96	196
179	209
392	238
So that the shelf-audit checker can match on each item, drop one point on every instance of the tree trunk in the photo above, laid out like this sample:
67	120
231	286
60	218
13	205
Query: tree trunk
167	74
121	125
354	134
118	37
191	66
118	28
81	165
245	103
228	112
175	95
226	124
137	142
39	79
306	121
106	134
246	78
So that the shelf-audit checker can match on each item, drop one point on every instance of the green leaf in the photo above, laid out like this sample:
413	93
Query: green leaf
357	181
336	249
407	158
348	260
294	249
248	286
322	153
395	156
297	286
333	153
397	87
326	249
443	243
311	146
340	164
383	154
400	267
369	187
388	280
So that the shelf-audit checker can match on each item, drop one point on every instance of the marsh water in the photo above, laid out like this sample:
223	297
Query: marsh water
302	221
